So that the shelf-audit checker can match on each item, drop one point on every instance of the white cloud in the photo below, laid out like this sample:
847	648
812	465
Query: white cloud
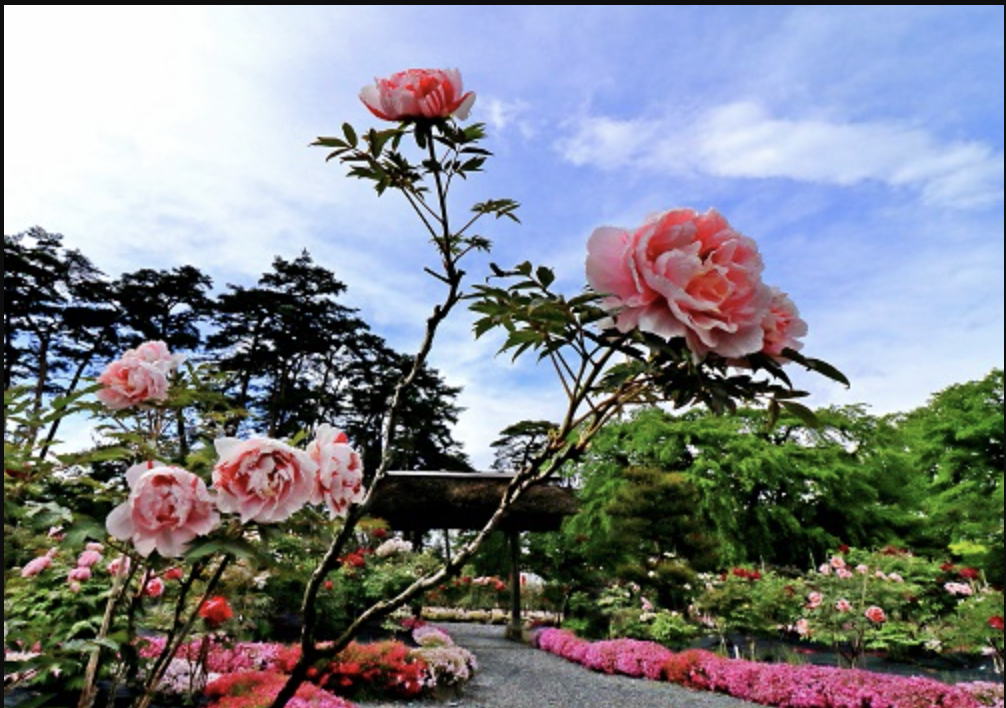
742	140
506	114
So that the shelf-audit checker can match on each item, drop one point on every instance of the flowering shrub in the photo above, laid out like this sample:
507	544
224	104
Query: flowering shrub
254	689
778	685
386	668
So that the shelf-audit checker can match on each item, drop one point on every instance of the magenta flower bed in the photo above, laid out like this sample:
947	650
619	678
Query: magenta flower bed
780	685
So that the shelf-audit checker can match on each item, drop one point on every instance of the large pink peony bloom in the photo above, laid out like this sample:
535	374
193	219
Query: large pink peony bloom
339	482
262	479
683	274
418	93
167	507
140	375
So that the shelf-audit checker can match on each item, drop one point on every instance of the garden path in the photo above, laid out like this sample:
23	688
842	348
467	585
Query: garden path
514	675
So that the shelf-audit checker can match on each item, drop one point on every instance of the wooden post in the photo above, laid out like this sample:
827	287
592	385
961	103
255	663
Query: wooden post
515	630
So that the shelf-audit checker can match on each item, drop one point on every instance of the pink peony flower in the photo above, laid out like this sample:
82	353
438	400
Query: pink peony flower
263	480
119	566
167	507
782	325
154	587
802	627
80	574
88	558
141	375
36	566
684	274
843	605
814	600
339	480
875	614
418	93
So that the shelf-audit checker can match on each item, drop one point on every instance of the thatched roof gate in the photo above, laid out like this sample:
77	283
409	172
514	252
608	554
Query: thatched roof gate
426	501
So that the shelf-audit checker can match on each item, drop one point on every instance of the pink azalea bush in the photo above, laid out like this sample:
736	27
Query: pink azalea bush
778	685
254	689
380	669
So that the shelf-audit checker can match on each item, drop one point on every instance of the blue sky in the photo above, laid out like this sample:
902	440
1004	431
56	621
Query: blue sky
861	147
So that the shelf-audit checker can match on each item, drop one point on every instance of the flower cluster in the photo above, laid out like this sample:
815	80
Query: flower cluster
251	689
260	479
691	275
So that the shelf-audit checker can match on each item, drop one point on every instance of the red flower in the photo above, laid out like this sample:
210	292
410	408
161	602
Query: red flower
379	533
354	559
174	573
215	611
843	548
946	567
329	585
970	573
996	622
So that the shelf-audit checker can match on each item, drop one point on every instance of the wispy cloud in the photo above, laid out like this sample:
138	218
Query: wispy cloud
743	141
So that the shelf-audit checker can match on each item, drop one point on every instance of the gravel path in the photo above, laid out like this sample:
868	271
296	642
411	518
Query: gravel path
513	675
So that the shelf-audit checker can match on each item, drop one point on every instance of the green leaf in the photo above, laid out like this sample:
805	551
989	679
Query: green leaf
239	548
805	414
821	367
329	142
545	276
350	134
